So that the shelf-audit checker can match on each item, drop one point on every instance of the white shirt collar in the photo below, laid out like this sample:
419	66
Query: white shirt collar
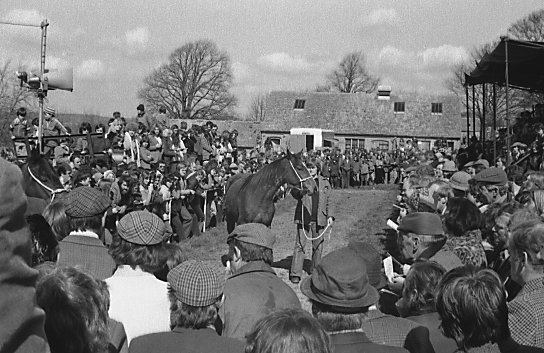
86	233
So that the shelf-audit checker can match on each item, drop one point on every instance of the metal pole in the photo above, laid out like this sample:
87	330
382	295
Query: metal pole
483	115
505	39
494	121
41	92
468	115
473	111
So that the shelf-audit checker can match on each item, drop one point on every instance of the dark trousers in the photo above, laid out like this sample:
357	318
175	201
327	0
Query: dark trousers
312	230
345	179
182	220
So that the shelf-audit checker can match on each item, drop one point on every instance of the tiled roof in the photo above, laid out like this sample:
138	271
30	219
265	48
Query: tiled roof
365	114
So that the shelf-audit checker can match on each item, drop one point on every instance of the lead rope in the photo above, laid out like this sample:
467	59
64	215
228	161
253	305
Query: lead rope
53	192
329	225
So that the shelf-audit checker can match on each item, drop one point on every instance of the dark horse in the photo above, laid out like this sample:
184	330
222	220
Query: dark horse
250	197
40	182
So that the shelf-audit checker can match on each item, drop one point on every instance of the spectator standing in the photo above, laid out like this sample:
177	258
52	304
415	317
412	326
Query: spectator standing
138	299
473	312
422	238
52	127
526	310
162	120
86	208
196	293
340	294
253	290
288	330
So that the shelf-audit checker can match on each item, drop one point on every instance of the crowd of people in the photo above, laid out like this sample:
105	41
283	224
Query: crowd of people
465	271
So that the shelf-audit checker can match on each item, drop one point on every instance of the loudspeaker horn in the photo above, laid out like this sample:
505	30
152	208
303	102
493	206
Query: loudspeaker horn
61	79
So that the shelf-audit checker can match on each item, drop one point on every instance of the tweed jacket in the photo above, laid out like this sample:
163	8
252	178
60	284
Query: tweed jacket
356	342
390	330
507	345
250	294
187	341
88	252
526	314
305	203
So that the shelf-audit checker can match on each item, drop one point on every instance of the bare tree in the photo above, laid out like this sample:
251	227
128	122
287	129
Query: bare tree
257	108
352	76
193	84
12	96
530	28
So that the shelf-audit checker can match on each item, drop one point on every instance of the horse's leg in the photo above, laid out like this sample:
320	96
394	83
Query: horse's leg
230	224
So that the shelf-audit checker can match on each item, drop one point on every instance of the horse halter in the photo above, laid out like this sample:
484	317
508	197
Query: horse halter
53	192
300	179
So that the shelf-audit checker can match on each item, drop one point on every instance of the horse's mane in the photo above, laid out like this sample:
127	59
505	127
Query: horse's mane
264	173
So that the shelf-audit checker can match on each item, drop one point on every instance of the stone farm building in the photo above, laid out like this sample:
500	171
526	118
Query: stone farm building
365	120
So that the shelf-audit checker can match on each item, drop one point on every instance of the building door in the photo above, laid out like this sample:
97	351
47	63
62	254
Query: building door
309	142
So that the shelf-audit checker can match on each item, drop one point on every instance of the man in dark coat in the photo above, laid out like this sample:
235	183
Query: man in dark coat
253	290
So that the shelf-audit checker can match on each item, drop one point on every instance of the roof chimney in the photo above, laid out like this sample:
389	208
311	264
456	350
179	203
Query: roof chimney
384	93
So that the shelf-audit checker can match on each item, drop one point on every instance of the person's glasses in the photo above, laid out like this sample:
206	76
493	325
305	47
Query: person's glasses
492	188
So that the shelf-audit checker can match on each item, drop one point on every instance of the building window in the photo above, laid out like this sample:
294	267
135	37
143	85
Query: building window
398	107
381	144
424	145
355	143
436	108
299	103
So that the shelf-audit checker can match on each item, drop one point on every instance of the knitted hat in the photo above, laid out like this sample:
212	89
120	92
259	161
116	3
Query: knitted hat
196	283
492	176
254	233
460	180
49	110
142	228
341	281
421	223
85	201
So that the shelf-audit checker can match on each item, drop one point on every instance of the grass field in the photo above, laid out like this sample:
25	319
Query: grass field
360	215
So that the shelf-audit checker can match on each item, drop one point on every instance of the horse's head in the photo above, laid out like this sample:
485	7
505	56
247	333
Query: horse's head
298	174
40	179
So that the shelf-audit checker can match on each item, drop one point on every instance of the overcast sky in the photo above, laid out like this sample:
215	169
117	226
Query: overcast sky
273	44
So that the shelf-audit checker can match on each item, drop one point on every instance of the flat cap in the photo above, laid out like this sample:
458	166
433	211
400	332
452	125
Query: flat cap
518	144
254	233
483	162
422	223
492	176
197	283
459	180
85	201
142	228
